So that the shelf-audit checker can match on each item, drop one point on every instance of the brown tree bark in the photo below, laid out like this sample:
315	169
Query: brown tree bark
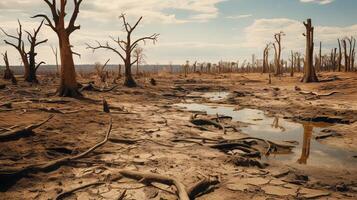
68	84
309	70
127	47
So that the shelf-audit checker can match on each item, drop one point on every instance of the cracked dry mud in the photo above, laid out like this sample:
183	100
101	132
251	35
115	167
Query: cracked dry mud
151	114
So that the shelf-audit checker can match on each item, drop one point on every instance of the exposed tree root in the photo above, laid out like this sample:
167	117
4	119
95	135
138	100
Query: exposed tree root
202	187
244	144
20	131
19	172
135	141
65	194
327	135
54	101
69	92
318	95
92	87
148	178
55	110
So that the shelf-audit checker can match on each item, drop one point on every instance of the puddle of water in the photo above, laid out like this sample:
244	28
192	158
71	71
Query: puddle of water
216	96
309	151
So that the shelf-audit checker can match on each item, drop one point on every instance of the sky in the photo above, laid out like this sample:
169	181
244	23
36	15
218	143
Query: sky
194	30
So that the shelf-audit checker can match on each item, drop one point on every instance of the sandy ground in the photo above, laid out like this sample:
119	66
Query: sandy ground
151	115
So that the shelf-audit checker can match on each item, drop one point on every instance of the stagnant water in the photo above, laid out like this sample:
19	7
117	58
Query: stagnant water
308	152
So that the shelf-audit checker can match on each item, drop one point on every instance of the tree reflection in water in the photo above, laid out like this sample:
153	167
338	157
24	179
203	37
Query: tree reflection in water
305	152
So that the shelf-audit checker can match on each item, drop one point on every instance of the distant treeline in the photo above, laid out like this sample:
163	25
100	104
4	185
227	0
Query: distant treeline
19	70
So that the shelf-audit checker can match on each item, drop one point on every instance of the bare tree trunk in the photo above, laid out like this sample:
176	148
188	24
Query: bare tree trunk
309	70
320	58
68	84
344	44
277	48
339	56
292	64
55	53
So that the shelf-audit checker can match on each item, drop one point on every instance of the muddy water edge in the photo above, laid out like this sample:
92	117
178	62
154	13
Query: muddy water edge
256	123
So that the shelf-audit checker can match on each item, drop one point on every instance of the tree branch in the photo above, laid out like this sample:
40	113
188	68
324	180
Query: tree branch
107	47
153	37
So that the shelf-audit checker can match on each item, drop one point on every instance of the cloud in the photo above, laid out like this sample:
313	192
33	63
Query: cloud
154	11
239	16
321	2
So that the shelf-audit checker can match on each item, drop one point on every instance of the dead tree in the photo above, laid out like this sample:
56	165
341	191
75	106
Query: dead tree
333	59
32	38
186	66
277	48
309	70
8	72
345	53
352	44
292	64
127	46
68	84
266	58
353	56
298	61
27	58
20	47
138	54
319	65
55	53
339	60
101	72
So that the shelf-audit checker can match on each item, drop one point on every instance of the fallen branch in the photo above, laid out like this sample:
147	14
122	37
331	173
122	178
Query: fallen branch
67	193
55	101
201	122
202	187
327	135
318	95
21	132
148	178
47	166
55	110
92	87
